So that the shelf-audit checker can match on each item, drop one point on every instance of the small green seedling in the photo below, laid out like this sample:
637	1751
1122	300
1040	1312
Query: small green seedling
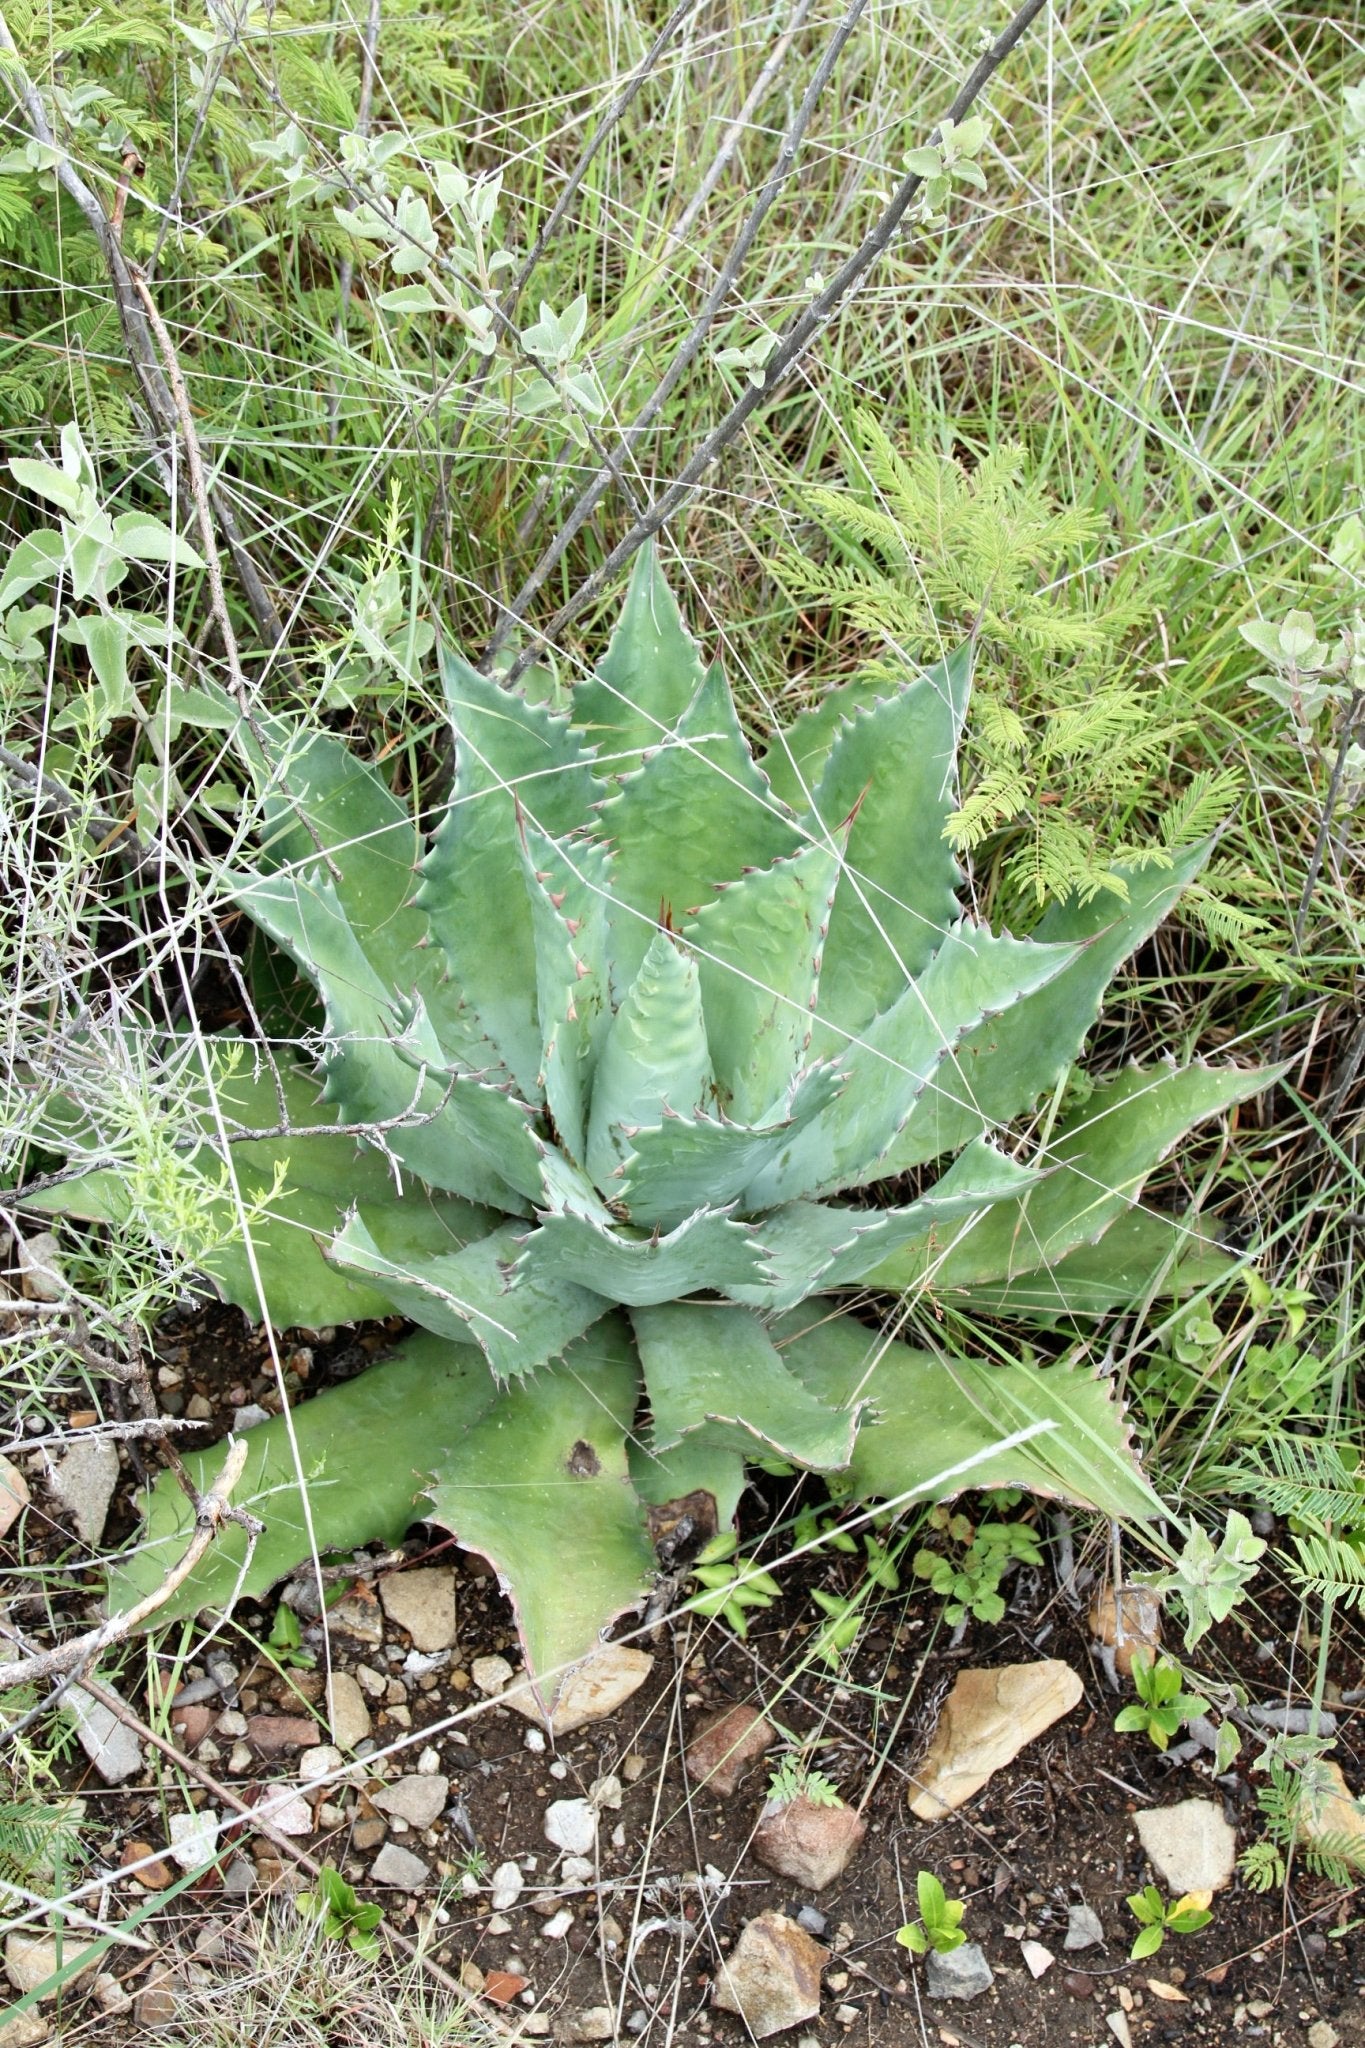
937	1927
732	1586
794	1778
286	1639
343	1917
1161	1708
1156	1918
970	1583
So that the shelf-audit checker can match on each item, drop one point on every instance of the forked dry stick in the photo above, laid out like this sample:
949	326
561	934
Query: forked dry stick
211	1510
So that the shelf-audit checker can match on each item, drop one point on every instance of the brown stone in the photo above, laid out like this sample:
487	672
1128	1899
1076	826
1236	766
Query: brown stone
272	1734
772	1980
502	1986
191	1724
423	1603
726	1748
589	1692
987	1719
809	1844
153	1877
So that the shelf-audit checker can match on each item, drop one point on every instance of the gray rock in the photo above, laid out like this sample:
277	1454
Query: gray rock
84	1483
422	1602
1083	1928
111	1746
598	2023
507	1884
772	1978
814	1921
963	1973
250	1417
571	1824
40	1267
1189	1845
25	2030
346	1710
400	1867
194	1837
491	1675
419	1800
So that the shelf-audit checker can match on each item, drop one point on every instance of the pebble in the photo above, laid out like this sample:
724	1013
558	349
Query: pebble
272	1734
286	1811
322	1762
371	1681
400	1867
152	1876
1083	1928
112	1747
507	1884
250	1416
491	1675
813	1920
558	1925
727	1747
597	2023
1037	1959
808	1844
423	1603
577	1869
1117	2023
592	1690
25	2030
963	1973
419	1800
535	1741
571	1825
194	1837
347	1713
1190	1845
40	1265
359	1616
84	1483
1322	2035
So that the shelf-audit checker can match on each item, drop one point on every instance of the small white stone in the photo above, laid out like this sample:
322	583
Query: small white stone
571	1825
84	1482
559	1769
618	1836
1117	2023
576	1869
194	1837
1039	1960
322	1762
535	1741
507	1884
499	1924
429	1762
558	1925
241	1758
606	1792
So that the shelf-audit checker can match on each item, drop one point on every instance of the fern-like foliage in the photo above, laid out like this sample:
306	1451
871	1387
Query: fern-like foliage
1065	747
1300	1804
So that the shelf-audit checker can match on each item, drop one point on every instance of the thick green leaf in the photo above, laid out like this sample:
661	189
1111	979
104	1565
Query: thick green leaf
795	758
511	757
322	1175
540	1487
367	1451
812	1244
568	884
709	1250
1142	1256
1100	1156
695	814
647	677
678	1166
438	1127
711	1367
973	975
933	1413
1008	1061
691	1467
654	1059
758	948
893	770
468	1295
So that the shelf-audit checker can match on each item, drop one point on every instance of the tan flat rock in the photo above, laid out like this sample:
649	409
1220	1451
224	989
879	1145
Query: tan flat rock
1333	1812
772	1978
988	1717
592	1690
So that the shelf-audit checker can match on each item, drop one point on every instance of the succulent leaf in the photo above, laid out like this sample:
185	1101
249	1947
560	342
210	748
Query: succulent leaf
1141	1255
712	1367
695	1479
933	1413
511	756
893	770
540	1486
1100	1157
655	1059
710	1249
648	676
1007	1062
465	1295
366	1452
795	757
758	946
568	885
695	813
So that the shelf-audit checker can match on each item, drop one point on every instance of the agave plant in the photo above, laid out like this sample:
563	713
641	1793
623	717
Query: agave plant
665	1062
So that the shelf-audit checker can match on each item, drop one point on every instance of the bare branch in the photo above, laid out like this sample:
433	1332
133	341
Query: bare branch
801	331
212	1509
